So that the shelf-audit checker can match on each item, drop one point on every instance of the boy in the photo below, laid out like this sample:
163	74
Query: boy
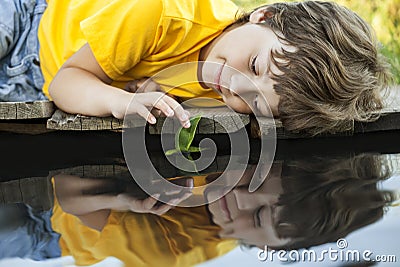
313	64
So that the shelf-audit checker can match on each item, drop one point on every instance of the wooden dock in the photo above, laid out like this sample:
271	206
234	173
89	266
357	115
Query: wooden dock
42	116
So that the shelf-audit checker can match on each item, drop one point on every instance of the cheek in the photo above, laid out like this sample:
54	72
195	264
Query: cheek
237	104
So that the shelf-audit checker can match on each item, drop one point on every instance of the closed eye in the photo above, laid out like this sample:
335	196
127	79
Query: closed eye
257	217
253	65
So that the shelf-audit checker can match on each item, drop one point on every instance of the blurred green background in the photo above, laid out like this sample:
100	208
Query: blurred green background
383	15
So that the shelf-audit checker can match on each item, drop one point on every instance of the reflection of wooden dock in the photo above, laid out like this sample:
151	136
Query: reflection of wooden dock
37	192
33	159
43	116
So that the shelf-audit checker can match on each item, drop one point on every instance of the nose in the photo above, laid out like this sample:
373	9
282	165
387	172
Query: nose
244	199
250	201
241	85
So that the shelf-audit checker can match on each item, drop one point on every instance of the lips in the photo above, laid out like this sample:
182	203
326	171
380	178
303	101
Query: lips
217	80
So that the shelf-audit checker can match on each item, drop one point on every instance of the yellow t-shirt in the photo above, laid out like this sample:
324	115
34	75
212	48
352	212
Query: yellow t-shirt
182	237
134	39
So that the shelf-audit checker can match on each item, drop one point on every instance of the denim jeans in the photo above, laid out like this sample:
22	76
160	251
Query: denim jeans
27	233
20	76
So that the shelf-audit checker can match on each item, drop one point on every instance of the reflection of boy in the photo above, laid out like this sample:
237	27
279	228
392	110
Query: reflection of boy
181	237
317	64
342	196
305	203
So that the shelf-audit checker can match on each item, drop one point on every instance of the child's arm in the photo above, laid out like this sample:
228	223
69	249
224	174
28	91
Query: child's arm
81	86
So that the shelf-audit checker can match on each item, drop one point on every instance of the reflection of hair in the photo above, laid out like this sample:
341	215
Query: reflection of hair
336	72
338	195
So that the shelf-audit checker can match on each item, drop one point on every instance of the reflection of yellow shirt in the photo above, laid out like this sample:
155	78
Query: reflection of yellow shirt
133	39
182	237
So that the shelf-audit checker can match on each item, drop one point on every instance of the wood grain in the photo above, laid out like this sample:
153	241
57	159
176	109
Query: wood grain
26	110
214	120
36	192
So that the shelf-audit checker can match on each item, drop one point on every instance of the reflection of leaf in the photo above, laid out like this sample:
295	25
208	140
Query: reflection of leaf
195	149
184	136
191	149
171	152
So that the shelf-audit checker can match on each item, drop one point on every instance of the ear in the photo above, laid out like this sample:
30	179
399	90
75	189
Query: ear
260	15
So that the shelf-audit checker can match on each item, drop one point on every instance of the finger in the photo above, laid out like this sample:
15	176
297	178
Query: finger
150	202
162	209
146	114
178	199
141	206
164	107
173	192
180	113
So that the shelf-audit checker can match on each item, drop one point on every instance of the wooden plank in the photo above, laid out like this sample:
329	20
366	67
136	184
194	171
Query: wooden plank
26	127
26	110
8	111
160	163
263	126
35	192
76	171
11	191
231	122
63	121
116	124
392	100
75	122
2	197
213	121
389	120
163	125
93	171
228	120
206	126
99	171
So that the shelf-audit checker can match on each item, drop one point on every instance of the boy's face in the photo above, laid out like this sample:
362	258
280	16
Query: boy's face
250	216
244	68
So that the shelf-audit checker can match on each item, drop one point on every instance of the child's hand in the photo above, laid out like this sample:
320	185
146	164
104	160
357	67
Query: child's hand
145	103
150	204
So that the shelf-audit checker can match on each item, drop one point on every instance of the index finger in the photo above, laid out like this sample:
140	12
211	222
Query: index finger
182	115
